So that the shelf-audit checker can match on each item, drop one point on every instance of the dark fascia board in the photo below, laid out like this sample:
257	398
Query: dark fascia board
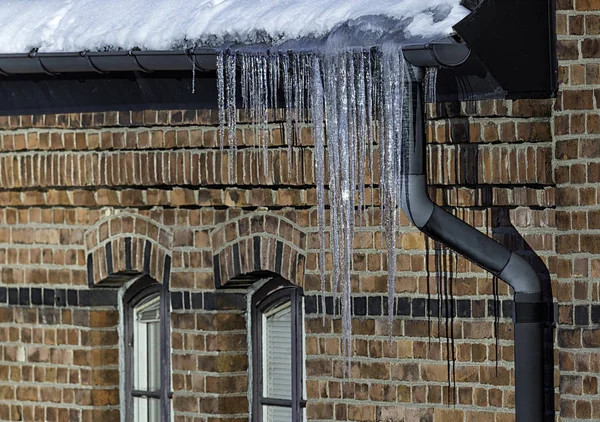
42	83
36	94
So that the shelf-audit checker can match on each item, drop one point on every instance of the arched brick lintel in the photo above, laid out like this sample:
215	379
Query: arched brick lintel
255	245
126	245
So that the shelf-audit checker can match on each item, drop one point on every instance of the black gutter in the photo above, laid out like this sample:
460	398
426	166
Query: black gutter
466	240
107	61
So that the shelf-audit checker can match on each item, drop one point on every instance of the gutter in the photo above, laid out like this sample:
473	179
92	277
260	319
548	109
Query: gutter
107	61
440	225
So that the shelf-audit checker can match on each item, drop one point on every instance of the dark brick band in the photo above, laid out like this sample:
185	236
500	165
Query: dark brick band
412	307
36	296
374	306
208	301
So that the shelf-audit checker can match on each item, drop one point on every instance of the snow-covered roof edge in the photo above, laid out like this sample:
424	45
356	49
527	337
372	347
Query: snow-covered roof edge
93	25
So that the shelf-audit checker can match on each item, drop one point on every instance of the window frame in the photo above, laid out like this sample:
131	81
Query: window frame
141	291
265	299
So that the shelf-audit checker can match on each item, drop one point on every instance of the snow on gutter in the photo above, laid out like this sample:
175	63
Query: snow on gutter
55	26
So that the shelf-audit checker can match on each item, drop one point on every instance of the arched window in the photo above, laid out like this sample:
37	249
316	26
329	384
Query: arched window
278	353
147	352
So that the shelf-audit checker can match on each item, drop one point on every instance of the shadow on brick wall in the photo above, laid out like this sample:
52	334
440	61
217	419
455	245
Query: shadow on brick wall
507	234
465	167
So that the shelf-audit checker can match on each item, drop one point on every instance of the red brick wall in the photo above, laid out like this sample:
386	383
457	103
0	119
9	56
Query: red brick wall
73	184
577	172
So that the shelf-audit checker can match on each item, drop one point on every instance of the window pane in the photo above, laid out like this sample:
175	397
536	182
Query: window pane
277	414
146	349
146	410
277	361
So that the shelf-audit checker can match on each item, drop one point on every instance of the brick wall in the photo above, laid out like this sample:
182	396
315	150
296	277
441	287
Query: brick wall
577	172
76	187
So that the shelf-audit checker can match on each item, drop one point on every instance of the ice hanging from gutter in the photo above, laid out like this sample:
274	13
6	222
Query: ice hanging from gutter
355	100
354	96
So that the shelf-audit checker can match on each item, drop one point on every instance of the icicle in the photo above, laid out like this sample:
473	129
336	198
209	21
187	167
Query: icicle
431	75
288	100
277	78
345	196
254	100
272	81
230	69
296	107
221	98
243	80
193	75
263	98
371	101
352	133
319	159
381	147
496	317
252	106
440	289
331	123
302	75
428	280
245	76
390	146
361	106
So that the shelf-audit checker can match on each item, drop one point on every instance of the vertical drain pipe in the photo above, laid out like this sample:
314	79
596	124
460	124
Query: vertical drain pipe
440	225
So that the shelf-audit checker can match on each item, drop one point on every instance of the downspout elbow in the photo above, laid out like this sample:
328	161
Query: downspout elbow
440	225
519	274
446	228
416	204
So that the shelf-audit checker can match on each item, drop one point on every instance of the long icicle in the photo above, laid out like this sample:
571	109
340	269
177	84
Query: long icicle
264	111
221	98
319	160
361	118
288	100
345	199
371	101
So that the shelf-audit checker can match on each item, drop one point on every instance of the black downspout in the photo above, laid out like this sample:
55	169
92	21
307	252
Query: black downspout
442	226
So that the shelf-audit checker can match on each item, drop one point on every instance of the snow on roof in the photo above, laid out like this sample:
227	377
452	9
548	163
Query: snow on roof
77	25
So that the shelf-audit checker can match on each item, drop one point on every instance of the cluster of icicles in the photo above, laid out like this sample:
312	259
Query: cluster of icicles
355	101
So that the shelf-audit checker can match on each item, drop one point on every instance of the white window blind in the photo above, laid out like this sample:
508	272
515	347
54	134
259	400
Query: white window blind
278	353
146	359
277	414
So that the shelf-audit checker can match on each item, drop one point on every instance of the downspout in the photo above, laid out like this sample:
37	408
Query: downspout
440	225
